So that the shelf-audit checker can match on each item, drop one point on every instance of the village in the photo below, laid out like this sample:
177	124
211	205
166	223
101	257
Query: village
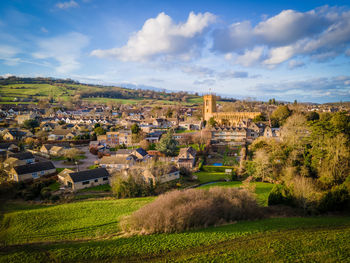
83	148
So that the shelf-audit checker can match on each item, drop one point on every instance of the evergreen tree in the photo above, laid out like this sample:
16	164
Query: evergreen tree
167	144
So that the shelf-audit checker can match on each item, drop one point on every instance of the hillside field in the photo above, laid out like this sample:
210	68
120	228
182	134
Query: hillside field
88	231
19	92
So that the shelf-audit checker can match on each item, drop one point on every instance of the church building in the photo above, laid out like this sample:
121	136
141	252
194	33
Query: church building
224	118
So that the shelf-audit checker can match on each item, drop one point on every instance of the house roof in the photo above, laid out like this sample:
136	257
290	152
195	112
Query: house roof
116	160
5	145
124	151
188	152
89	174
35	167
22	156
141	151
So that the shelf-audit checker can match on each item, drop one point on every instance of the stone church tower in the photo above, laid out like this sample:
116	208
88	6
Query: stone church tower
209	106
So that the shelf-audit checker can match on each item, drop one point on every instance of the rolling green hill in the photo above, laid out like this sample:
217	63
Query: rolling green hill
87	231
15	90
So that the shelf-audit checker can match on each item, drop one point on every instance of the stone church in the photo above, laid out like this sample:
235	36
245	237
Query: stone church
224	118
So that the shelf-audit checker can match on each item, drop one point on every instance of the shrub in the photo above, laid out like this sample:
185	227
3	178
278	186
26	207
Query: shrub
335	200
45	192
124	187
178	210
280	195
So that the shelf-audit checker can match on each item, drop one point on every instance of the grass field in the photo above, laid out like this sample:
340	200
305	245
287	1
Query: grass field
205	177
8	93
79	220
315	239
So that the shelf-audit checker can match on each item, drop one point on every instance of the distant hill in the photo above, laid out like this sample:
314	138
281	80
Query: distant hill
15	90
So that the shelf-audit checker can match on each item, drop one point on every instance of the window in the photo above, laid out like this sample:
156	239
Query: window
35	175
42	172
96	180
86	182
105	178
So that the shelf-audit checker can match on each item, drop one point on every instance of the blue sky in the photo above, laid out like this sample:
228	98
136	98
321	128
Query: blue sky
258	49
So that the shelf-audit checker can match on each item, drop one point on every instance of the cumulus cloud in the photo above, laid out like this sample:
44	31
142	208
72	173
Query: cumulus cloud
65	49
321	34
160	36
67	4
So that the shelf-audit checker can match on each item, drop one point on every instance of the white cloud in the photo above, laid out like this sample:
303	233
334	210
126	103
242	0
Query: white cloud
289	26
160	36
250	57
321	34
66	50
67	5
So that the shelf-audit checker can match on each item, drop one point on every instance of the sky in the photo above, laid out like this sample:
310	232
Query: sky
242	49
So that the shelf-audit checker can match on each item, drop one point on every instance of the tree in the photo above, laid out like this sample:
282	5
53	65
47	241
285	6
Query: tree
280	115
30	124
135	129
312	116
212	122
29	141
145	144
72	154
100	131
167	144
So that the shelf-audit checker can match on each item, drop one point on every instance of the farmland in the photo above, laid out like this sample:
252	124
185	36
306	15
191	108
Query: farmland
76	237
22	92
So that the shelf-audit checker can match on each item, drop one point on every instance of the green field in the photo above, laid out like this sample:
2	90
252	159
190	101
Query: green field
79	220
205	177
277	239
88	231
14	93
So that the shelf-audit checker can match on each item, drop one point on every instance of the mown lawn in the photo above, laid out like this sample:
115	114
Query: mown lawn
313	239
205	177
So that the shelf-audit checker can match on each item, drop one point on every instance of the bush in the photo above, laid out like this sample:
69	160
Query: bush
280	195
185	172
45	192
337	199
130	187
177	210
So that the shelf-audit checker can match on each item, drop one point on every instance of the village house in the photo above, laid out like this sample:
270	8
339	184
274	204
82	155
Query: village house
84	179
13	135
58	135
228	134
24	117
26	157
117	163
31	171
151	176
187	157
271	132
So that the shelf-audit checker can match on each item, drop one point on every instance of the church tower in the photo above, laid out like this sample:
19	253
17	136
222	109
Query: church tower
209	106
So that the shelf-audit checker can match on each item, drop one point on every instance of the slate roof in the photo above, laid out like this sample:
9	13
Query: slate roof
141	151
89	174
35	167
22	156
